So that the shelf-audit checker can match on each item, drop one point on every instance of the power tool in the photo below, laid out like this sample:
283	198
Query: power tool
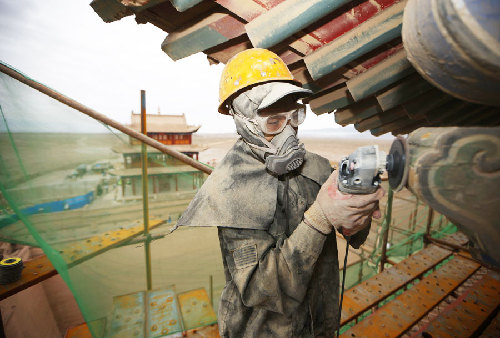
359	173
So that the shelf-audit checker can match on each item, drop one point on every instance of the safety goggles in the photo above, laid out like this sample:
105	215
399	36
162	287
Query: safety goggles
274	123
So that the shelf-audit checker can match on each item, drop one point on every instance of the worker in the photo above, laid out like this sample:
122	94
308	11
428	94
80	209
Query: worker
276	206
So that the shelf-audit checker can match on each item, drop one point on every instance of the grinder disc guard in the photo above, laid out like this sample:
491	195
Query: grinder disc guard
397	164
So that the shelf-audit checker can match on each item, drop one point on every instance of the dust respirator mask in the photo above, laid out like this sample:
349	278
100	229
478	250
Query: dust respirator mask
284	153
289	152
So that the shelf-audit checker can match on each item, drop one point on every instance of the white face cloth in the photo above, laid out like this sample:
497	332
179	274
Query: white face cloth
283	153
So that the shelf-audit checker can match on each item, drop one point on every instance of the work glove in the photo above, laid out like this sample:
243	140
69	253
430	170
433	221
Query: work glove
345	212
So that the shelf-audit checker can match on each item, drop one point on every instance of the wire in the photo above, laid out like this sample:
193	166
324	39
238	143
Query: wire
347	240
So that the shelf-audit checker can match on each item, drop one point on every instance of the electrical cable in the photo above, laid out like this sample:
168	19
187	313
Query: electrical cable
344	270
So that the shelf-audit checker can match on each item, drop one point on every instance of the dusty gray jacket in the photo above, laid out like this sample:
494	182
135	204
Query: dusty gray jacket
282	276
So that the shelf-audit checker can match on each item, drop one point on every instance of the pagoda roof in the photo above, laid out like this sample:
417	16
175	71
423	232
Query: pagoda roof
163	123
136	148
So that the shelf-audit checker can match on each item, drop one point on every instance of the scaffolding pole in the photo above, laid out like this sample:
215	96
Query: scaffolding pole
145	194
385	235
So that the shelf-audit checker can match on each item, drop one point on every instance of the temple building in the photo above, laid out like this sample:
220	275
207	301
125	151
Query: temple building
167	177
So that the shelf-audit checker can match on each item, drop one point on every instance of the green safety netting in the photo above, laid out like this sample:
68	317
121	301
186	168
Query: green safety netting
67	187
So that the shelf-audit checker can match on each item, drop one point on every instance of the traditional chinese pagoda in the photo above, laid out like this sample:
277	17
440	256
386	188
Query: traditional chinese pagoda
167	176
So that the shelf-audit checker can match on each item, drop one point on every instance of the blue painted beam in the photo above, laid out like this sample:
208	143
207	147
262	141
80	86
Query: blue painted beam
383	74
286	19
182	5
369	35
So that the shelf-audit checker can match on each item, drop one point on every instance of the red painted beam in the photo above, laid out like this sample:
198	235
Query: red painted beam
340	24
313	39
350	19
371	61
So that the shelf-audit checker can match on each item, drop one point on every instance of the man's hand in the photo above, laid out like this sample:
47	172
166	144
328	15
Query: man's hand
345	212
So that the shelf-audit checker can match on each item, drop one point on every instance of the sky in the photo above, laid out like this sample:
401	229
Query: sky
66	46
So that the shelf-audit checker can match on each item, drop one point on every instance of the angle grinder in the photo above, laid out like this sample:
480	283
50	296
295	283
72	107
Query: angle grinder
359	173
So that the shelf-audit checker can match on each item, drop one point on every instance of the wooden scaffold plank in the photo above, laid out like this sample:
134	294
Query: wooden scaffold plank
465	316
362	297
400	314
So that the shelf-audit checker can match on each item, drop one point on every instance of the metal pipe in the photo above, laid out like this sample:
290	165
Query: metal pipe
430	216
145	195
388	215
413	223
103	118
391	262
211	287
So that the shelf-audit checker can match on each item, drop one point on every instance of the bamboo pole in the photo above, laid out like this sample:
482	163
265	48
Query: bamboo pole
103	118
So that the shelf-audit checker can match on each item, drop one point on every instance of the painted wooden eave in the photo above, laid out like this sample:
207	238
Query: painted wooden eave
183	5
399	123
110	10
211	31
404	91
288	18
372	33
113	10
357	112
328	102
380	76
433	99
436	115
380	119
318	33
339	54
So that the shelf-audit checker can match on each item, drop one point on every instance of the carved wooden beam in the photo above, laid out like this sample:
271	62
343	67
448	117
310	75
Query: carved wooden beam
457	172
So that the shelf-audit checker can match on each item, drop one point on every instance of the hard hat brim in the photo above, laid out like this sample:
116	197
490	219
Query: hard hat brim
282	89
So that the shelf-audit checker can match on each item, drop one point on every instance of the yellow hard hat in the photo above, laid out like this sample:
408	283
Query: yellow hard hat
249	67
